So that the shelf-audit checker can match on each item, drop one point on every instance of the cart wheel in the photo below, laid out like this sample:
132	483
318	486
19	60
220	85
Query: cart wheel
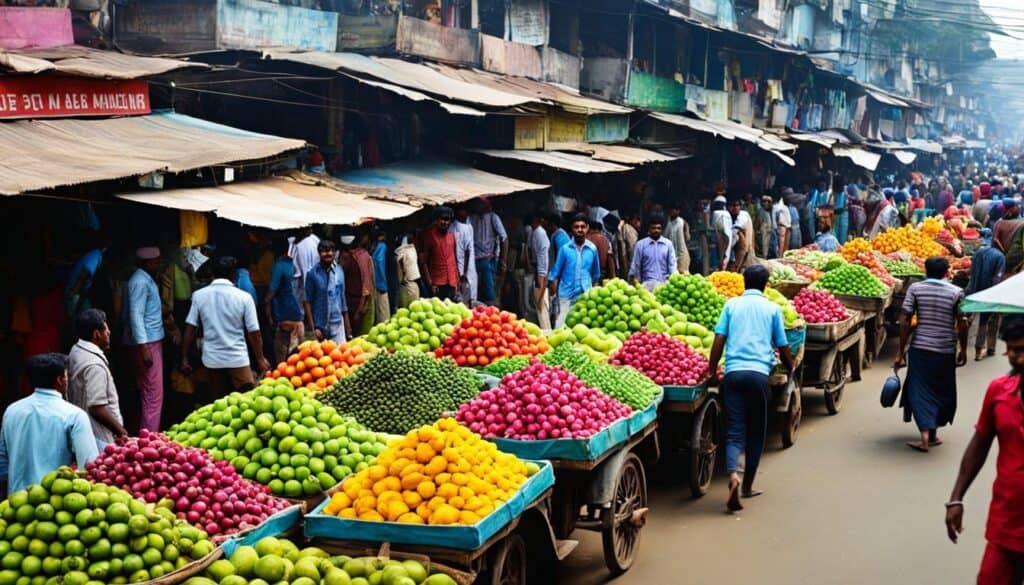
703	450
509	564
791	419
834	391
622	521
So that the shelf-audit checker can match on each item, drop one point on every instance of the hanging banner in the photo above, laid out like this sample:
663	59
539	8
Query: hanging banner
58	97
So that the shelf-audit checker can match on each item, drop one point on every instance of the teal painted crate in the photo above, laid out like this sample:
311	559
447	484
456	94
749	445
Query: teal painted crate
684	393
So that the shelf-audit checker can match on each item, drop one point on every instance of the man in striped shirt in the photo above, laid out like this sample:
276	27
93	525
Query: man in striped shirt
929	393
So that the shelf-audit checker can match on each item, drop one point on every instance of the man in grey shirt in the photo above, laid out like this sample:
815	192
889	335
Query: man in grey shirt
90	383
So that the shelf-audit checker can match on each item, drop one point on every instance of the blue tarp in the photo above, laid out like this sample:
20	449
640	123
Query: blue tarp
276	525
472	537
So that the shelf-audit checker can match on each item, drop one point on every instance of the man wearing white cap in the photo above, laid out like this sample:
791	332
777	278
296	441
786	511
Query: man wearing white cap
144	334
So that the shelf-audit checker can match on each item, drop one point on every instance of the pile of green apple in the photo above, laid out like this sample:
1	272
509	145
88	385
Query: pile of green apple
693	296
599	344
622	309
423	326
279	561
281	437
69	530
791	318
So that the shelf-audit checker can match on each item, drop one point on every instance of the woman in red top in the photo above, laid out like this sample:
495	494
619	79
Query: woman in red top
1002	419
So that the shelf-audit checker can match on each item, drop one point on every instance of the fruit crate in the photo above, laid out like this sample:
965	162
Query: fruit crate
684	393
828	332
473	537
190	570
870	306
791	288
277	524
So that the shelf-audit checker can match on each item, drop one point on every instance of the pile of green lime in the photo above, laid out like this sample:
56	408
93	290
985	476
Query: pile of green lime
621	309
851	279
693	296
423	326
622	383
279	561
281	437
504	366
68	530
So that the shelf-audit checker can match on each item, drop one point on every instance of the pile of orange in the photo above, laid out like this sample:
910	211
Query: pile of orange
908	239
874	264
727	284
856	246
931	226
318	365
438	474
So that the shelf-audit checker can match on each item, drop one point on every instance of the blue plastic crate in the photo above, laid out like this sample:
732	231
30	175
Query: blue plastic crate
318	524
684	393
275	525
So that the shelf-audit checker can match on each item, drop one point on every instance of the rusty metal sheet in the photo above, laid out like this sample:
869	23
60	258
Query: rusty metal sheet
557	160
86	62
561	68
434	182
566	127
529	133
508	58
442	43
607	128
528	22
371	34
250	24
605	77
167	26
617	153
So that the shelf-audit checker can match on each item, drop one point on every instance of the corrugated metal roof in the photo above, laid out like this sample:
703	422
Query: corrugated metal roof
418	97
905	156
616	153
565	97
860	157
926	146
402	73
433	182
87	62
556	160
43	154
278	203
732	131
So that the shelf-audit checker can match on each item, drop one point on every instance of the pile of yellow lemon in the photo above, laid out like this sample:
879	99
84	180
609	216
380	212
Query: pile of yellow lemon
931	226
438	474
856	246
727	284
907	239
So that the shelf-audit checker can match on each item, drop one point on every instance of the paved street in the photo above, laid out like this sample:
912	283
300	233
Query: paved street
848	504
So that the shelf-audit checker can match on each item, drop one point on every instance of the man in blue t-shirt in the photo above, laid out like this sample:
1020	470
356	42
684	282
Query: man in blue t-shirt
282	304
749	331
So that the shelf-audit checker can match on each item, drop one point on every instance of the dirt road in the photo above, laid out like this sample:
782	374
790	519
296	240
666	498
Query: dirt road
848	504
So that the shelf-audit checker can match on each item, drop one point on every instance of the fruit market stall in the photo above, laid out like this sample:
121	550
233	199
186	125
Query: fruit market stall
859	289
835	342
444	491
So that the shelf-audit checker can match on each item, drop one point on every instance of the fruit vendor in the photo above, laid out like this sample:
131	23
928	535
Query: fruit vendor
929	392
90	382
325	306
282	303
825	240
436	252
577	267
749	331
465	257
654	258
539	257
987	267
1000	420
43	431
231	332
144	335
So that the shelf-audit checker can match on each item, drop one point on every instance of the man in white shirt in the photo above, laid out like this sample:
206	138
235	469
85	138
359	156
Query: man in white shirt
540	250
783	223
231	332
305	256
678	232
741	244
465	256
90	383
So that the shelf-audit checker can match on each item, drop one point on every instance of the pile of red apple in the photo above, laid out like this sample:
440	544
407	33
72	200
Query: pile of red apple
819	306
662	358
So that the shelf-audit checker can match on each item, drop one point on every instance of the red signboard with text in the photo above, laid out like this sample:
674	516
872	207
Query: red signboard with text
62	97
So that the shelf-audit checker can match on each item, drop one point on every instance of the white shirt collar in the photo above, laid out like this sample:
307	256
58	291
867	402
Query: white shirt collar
221	282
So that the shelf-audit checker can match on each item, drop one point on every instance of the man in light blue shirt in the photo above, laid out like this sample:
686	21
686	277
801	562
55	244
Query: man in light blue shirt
231	332
325	304
749	331
83	271
654	258
490	244
43	431
576	269
144	335
382	303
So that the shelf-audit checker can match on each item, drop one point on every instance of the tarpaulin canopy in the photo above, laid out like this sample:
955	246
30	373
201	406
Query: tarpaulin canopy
860	157
278	203
1005	297
733	131
44	154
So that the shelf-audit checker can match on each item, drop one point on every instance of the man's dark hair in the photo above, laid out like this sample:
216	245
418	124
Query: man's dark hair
88	322
1012	328
224	267
443	212
656	219
280	246
326	245
756	277
579	217
595	225
936	267
45	368
555	219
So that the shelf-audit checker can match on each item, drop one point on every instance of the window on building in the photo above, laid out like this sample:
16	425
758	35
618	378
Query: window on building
603	36
492	17
564	29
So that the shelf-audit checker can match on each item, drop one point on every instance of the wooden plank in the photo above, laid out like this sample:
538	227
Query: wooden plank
434	41
529	133
509	58
367	34
566	127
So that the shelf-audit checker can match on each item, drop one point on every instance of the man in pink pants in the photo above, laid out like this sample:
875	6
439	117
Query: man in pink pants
144	334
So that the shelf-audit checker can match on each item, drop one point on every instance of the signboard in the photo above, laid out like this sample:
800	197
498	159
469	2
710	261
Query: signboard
35	27
529	22
56	97
373	33
252	24
441	43
655	93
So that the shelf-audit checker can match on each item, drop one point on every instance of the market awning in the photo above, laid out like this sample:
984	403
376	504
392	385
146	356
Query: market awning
617	153
904	156
564	161
1005	297
419	97
86	62
733	131
886	98
976	144
926	146
44	154
415	76
814	138
278	203
860	157
430	182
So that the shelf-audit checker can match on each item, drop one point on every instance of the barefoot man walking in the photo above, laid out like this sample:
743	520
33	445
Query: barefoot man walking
749	331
